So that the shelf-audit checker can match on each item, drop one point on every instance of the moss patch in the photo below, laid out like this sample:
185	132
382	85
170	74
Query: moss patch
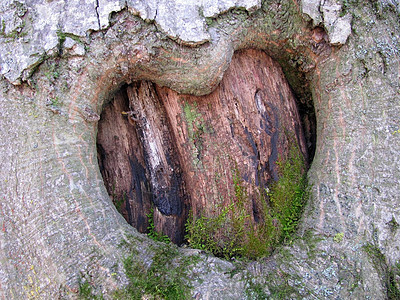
231	234
196	130
165	278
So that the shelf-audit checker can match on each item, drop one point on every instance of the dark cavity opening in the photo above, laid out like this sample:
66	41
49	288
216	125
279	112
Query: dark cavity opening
139	163
163	154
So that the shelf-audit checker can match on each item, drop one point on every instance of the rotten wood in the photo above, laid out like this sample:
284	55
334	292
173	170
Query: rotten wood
122	164
161	158
189	149
242	127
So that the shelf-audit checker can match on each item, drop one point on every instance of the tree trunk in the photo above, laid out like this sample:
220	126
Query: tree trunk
58	224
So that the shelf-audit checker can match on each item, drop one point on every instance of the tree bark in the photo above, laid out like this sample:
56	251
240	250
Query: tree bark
57	221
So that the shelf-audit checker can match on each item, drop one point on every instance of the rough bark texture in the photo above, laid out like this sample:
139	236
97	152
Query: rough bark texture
57	221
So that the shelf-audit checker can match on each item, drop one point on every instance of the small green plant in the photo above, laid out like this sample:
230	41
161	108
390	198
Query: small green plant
164	279
289	193
338	238
55	101
152	233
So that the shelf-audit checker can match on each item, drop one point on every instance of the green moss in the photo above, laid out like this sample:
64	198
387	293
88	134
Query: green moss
165	278
275	285
118	202
14	34
61	37
52	70
289	194
230	233
393	282
255	290
375	255
86	290
283	291
209	21
393	225
310	240
205	233
389	273
132	243
3	27
55	101
196	129
345	7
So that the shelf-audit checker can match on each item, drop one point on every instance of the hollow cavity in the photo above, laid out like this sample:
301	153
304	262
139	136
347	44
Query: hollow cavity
164	155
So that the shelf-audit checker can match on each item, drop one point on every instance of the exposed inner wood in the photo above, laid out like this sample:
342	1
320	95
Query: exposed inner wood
182	152
122	165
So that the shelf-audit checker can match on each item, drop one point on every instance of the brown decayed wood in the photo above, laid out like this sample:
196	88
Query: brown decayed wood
122	163
191	146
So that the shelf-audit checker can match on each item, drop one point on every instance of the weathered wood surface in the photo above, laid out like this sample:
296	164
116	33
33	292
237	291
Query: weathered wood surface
186	150
138	160
161	159
122	163
244	126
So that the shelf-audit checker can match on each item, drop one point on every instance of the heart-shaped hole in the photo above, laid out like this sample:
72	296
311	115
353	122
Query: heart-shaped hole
165	156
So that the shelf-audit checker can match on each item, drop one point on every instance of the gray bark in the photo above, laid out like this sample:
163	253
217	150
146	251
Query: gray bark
57	222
